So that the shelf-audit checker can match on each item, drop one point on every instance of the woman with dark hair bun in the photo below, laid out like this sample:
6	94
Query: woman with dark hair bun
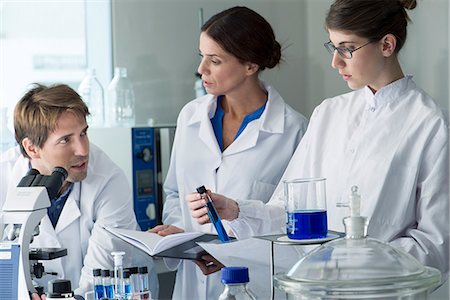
236	140
387	136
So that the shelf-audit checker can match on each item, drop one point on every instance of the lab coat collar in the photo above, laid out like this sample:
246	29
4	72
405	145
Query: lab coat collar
388	93
71	210
205	110
275	107
203	113
268	122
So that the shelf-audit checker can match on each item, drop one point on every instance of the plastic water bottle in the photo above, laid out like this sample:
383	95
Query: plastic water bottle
121	100
91	91
236	280
6	136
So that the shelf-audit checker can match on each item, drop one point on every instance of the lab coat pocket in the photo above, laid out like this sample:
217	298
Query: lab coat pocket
261	191
392	205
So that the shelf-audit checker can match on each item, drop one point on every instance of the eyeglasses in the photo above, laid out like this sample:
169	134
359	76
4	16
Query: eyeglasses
346	53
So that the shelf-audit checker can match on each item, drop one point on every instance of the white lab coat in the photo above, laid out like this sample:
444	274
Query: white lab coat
394	146
249	168
103	198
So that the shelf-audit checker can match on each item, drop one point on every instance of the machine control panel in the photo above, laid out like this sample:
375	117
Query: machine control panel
145	172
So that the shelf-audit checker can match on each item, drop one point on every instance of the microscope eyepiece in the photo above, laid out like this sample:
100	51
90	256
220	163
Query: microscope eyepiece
60	170
52	182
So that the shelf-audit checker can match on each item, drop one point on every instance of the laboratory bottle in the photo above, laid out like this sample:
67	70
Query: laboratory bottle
235	280
143	279
91	91
99	290
121	100
7	139
107	283
118	273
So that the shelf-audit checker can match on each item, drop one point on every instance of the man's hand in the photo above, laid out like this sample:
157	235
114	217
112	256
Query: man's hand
208	264
164	230
227	208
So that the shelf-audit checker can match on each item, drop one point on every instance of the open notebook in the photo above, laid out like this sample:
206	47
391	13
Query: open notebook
179	245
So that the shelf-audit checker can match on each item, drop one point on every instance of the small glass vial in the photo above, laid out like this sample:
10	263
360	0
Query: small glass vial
143	282
127	284
235	280
99	290
107	283
134	279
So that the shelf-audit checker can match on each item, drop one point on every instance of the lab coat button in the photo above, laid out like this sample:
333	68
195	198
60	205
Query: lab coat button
352	150
372	108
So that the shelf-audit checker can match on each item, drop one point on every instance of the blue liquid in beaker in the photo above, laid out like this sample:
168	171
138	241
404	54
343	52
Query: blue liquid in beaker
307	224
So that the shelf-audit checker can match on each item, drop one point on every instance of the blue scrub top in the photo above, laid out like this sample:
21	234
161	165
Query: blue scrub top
57	205
216	121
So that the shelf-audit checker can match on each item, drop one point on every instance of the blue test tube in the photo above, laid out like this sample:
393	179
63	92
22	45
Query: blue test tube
107	283
99	290
213	215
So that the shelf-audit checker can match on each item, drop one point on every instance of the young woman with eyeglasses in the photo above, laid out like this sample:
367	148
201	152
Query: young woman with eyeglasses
387	136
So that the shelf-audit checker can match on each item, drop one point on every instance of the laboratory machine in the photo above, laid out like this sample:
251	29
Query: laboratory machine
143	153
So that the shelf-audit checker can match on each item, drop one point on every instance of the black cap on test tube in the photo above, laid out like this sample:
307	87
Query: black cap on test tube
201	189
143	270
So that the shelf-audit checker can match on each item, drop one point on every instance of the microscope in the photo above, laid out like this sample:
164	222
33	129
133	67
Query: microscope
22	212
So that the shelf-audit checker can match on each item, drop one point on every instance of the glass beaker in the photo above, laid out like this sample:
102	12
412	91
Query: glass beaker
306	208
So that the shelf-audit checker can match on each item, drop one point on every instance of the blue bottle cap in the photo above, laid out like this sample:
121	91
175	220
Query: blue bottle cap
235	275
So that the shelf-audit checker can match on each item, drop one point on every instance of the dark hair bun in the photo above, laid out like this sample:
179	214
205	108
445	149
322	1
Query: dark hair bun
276	56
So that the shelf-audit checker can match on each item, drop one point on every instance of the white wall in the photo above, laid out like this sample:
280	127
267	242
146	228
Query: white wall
158	41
